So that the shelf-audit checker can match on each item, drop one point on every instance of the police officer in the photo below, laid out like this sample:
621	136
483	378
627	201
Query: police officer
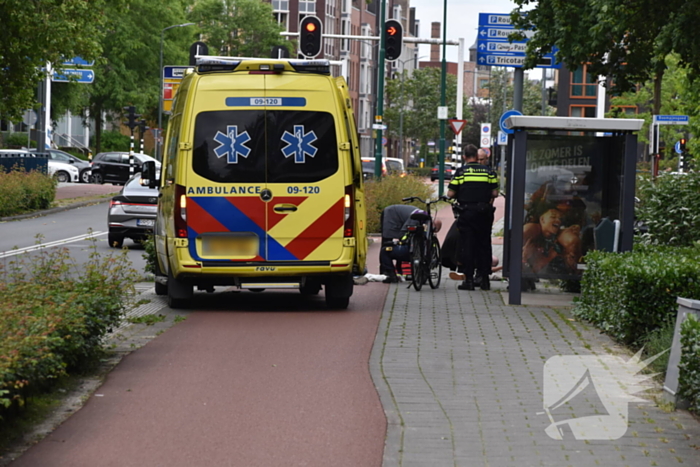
474	186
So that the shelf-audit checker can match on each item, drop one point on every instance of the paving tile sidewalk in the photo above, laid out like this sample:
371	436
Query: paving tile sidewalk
460	376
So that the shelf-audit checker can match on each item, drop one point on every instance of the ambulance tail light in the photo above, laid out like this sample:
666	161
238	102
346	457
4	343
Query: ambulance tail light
349	205
180	212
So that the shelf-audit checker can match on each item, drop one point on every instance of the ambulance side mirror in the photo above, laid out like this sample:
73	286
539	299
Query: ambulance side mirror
150	176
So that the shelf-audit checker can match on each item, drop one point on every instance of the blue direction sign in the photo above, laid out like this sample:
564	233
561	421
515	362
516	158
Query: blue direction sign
73	74
671	119
78	61
494	48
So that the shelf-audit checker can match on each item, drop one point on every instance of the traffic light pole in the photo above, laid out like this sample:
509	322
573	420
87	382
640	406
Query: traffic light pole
443	85
380	97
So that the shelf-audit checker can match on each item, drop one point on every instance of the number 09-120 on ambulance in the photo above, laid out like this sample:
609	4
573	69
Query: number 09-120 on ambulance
261	182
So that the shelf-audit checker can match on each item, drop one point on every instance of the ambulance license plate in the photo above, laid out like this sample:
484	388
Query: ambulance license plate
245	246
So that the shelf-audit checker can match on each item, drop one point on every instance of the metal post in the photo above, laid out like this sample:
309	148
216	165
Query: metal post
131	155
518	76
515	219
443	85
380	94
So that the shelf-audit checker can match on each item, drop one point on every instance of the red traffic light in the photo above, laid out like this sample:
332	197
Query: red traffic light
391	30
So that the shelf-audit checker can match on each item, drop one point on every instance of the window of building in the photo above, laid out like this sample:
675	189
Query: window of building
483	83
587	111
283	19
307	7
280	5
583	84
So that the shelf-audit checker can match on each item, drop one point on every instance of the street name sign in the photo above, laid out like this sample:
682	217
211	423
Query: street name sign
78	61
671	119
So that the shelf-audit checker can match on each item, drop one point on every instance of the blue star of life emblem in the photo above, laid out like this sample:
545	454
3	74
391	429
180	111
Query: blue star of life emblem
299	144
232	144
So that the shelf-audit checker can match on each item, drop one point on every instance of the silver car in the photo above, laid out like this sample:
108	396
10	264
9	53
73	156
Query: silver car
132	212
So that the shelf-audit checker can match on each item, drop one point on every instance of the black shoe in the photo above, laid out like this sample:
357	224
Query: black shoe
485	283
390	280
466	285
477	280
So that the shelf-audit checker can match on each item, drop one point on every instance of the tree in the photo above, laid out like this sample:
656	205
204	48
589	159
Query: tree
626	42
237	28
419	97
128	74
34	33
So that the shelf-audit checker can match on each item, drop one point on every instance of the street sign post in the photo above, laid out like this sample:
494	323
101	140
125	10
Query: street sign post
494	49
78	61
671	119
172	76
502	121
76	75
485	135
457	125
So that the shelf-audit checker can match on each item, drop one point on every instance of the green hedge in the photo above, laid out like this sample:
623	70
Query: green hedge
689	376
629	295
55	317
25	192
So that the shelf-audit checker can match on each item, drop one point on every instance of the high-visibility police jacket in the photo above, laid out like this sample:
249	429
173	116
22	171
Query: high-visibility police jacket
473	184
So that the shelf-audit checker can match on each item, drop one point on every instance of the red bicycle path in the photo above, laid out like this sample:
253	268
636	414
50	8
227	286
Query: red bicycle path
241	385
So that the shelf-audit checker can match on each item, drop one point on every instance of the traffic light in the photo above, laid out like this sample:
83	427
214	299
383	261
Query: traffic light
682	145
310	35
142	127
393	38
132	117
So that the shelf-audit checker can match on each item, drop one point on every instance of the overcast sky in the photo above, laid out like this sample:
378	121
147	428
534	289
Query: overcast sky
462	20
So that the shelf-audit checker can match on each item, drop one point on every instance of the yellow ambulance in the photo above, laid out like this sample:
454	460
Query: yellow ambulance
261	182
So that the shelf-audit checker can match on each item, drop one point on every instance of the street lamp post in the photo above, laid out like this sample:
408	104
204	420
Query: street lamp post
160	97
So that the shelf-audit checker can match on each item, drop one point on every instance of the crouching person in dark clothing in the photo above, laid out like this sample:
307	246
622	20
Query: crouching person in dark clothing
395	220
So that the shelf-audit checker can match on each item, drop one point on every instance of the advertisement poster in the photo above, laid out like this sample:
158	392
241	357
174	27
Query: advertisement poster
564	201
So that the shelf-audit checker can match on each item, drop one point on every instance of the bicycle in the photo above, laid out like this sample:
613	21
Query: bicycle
424	247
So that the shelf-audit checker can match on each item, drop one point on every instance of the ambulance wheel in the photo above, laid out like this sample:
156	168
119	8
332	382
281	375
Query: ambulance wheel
179	292
310	287
338	291
337	303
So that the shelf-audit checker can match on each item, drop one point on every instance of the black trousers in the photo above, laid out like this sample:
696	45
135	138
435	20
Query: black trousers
475	236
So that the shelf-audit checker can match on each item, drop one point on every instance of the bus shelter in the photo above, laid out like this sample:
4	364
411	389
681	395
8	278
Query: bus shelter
566	179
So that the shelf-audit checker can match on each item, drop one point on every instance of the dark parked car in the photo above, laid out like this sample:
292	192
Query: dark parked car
448	173
132	212
113	167
62	156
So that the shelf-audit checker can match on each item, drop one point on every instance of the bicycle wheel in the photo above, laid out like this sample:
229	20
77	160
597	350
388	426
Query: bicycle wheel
434	266
417	269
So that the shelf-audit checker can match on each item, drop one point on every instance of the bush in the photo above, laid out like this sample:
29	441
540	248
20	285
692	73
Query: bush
629	295
25	191
390	190
689	366
419	171
670	209
114	141
17	140
55	317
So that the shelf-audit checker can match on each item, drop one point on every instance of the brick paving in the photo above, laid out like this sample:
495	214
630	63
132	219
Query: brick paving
460	376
